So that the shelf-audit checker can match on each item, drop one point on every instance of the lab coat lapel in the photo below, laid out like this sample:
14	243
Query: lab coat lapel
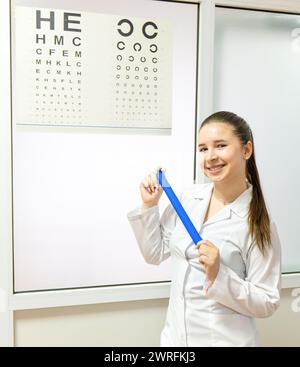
224	213
203	198
239	206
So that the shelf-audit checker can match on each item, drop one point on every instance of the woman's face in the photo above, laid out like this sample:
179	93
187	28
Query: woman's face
222	156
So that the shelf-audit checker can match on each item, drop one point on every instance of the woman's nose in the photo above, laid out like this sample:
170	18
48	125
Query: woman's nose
211	155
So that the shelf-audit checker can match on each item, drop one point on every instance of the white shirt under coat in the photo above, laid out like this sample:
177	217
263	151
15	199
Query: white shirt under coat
247	285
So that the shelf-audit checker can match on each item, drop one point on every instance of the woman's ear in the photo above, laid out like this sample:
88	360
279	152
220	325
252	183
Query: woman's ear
248	150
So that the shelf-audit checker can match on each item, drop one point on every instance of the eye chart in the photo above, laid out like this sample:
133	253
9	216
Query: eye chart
89	69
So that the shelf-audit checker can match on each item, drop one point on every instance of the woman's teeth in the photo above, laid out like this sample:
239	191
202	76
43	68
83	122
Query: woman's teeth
216	168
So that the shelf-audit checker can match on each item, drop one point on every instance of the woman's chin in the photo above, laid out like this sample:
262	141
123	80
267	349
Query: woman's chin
215	178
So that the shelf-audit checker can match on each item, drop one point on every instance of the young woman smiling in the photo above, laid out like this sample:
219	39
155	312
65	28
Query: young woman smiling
233	275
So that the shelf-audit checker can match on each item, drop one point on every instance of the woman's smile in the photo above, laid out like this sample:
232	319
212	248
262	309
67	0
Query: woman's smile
216	169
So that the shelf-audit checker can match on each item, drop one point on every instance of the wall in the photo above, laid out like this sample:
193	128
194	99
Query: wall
130	324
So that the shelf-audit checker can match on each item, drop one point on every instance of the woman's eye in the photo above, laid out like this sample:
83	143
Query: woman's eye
219	146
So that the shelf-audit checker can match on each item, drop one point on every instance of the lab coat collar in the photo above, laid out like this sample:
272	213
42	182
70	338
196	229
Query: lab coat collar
239	206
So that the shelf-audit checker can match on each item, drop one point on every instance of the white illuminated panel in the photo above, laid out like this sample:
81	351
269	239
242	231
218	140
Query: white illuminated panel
257	58
73	187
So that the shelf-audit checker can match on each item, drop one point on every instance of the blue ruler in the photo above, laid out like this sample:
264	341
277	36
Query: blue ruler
178	207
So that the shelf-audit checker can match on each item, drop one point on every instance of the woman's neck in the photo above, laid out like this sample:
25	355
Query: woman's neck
226	193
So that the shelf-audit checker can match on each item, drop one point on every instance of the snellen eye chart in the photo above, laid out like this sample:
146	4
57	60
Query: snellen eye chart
89	69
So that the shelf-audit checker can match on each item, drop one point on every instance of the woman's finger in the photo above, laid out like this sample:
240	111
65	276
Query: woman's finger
146	185
201	243
205	243
209	244
150	182
203	250
145	182
153	179
203	259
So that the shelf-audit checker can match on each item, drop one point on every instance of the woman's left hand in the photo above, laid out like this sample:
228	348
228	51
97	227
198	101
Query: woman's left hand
209	256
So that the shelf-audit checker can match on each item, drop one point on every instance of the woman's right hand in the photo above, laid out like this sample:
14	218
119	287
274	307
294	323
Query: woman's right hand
150	189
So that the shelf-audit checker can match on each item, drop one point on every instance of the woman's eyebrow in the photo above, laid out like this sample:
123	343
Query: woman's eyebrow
215	141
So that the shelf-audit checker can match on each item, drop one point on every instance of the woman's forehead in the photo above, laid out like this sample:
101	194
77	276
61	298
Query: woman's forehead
216	131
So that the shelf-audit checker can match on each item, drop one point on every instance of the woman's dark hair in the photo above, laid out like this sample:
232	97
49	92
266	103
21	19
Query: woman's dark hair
258	217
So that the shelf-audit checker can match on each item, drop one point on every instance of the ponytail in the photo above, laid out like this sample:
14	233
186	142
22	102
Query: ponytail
258	216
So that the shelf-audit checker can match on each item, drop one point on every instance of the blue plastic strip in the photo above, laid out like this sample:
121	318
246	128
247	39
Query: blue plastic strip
178	207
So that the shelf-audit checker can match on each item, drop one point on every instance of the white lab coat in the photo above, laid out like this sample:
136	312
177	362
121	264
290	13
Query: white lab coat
247	285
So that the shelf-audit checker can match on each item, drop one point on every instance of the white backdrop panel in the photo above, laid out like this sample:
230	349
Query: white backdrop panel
73	186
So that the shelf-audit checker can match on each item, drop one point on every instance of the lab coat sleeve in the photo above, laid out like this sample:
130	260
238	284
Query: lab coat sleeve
152	232
258	295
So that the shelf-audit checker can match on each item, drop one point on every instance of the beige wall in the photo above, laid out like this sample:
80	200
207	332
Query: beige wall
130	324
283	328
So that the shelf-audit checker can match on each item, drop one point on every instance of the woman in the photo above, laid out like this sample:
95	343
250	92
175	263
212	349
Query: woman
233	275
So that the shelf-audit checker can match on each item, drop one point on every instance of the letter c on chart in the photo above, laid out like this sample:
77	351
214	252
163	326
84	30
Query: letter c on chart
122	33
119	45
153	48
147	24
135	46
